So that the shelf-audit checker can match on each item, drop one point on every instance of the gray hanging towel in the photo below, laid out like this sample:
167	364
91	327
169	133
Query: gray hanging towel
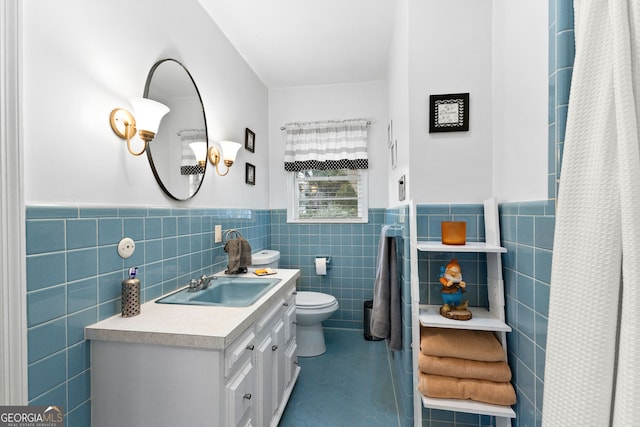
386	315
239	251
245	252
232	248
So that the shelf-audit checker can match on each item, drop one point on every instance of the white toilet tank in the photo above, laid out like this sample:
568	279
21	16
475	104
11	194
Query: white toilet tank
265	259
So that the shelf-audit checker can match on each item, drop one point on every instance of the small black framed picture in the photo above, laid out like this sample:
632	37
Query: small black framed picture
250	174
449	113
250	140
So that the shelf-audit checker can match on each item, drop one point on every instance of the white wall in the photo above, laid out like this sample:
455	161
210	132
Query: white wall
450	52
331	102
497	50
84	58
520	99
398	99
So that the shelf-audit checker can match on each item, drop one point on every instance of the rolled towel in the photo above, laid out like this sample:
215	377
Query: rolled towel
456	388
462	344
463	368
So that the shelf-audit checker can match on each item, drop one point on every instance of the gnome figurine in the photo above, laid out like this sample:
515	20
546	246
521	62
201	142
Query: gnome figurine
452	287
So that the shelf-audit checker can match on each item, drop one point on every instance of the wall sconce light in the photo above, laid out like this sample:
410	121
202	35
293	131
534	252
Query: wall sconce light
227	153
200	150
148	114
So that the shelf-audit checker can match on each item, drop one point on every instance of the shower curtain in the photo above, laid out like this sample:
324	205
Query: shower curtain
592	370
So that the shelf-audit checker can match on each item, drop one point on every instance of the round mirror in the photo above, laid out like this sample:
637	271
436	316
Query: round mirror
173	153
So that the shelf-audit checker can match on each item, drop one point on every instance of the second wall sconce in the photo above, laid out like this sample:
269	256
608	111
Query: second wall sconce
227	153
200	151
148	114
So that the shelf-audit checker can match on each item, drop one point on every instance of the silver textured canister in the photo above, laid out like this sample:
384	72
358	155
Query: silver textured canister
130	297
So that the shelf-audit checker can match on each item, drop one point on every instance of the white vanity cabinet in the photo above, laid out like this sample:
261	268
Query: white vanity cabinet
143	378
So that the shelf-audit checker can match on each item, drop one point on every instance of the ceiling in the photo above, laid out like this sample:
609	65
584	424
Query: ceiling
309	42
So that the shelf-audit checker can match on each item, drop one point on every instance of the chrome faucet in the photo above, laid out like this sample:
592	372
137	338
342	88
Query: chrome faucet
200	284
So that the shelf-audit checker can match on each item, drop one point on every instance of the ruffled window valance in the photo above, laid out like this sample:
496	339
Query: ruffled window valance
326	145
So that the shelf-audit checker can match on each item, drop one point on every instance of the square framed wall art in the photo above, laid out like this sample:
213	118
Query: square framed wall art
449	113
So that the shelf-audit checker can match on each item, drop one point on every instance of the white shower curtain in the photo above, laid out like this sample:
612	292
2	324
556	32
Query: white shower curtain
592	370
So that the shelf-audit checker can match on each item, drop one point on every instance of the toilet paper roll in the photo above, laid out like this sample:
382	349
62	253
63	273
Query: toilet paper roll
321	266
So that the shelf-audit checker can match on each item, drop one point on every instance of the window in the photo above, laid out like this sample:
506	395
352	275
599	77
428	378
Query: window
337	195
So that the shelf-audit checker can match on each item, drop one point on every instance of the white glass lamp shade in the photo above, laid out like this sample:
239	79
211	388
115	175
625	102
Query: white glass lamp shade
229	150
148	113
200	150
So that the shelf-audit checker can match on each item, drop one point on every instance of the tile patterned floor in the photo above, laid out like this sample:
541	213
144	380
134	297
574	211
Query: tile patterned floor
350	385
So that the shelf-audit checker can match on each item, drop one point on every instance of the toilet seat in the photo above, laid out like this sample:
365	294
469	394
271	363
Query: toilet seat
311	300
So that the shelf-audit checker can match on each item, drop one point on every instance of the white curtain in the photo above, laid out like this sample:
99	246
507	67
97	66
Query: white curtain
592	370
326	145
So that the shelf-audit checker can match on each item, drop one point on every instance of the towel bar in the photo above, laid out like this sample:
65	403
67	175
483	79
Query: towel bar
227	233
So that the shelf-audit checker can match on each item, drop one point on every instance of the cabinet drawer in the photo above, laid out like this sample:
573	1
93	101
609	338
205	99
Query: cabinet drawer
241	346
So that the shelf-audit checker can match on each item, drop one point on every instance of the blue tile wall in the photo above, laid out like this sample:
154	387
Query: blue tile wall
561	57
402	362
353	250
527	233
74	275
527	276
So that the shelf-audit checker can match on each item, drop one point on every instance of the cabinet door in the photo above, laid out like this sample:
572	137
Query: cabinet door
264	364
290	321
291	359
278	349
240	396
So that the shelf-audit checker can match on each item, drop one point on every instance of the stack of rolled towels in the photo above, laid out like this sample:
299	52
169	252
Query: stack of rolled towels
464	364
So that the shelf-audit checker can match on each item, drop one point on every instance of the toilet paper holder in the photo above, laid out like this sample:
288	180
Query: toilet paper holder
328	258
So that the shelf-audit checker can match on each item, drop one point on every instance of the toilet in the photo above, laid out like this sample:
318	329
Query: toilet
266	258
311	309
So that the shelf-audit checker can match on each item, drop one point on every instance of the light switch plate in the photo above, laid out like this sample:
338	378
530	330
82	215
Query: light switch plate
218	234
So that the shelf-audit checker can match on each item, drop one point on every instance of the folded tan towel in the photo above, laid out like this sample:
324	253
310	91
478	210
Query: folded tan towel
463	368
462	344
477	390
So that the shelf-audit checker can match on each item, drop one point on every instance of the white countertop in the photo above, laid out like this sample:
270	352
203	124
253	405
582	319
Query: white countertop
211	327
